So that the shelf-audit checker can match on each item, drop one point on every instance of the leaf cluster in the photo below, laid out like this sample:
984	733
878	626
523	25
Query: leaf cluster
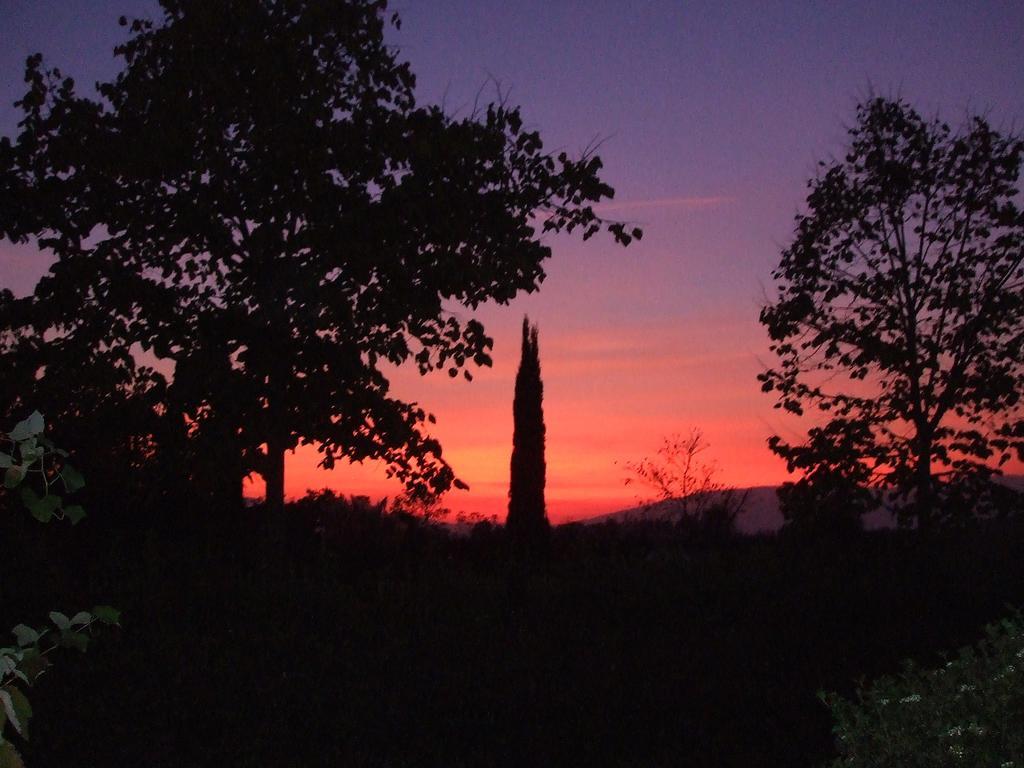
967	712
32	455
21	665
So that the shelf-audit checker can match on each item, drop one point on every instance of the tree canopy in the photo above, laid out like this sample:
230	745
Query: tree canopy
900	314
258	200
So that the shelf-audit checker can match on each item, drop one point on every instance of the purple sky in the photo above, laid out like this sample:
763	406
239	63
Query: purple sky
712	117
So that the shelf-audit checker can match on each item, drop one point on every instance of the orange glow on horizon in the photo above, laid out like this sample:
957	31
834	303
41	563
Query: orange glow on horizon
609	399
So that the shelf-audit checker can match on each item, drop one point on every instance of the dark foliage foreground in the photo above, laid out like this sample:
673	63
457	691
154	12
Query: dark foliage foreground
395	645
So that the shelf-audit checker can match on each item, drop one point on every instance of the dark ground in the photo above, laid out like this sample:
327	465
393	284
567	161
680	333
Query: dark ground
401	647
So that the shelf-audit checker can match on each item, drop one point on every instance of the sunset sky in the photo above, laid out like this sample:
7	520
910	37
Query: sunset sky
711	118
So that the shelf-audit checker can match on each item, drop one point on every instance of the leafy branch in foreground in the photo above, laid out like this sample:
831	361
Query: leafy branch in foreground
33	457
968	712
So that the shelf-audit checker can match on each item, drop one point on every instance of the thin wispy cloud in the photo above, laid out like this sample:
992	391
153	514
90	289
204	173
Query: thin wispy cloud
692	202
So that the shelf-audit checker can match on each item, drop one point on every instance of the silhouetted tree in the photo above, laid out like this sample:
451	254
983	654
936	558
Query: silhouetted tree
259	186
835	492
527	521
678	476
900	313
688	489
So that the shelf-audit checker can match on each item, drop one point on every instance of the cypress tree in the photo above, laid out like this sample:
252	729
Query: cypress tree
527	521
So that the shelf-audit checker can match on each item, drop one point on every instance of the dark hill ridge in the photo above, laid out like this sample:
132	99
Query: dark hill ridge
760	513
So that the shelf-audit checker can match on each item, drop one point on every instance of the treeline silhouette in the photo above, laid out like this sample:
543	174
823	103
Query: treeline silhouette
378	639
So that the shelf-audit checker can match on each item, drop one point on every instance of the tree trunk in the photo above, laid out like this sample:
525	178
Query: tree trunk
924	482
274	515
275	478
277	443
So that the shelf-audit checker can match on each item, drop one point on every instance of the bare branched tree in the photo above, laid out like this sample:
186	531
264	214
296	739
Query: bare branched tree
685	484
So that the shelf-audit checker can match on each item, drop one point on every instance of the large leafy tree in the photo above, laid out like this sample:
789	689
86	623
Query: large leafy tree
900	313
258	200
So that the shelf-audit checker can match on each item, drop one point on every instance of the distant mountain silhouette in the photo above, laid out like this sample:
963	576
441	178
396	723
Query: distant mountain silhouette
760	513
